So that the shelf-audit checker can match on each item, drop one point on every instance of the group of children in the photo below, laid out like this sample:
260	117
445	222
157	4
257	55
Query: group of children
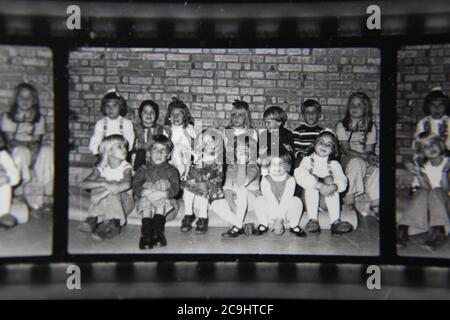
226	171
428	209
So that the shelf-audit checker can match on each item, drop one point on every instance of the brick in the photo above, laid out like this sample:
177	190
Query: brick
314	68
252	74
153	56
177	57
226	58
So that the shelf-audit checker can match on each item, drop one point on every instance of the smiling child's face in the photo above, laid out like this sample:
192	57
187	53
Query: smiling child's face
277	167
112	109
119	151
177	117
159	153
311	115
324	146
356	108
437	108
431	150
25	99
148	116
238	118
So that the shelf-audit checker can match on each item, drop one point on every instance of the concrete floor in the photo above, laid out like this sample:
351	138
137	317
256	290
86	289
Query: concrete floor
415	247
364	241
31	239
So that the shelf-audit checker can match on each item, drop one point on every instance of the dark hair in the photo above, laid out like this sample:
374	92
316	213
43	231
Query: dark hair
162	139
114	95
178	104
311	103
150	103
36	106
434	95
2	142
335	153
277	113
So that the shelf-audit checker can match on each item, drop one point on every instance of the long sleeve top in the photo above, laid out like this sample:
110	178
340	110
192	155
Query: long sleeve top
9	168
105	127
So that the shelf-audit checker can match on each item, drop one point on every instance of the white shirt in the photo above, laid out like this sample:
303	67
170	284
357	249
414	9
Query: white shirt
115	174
112	127
7	165
357	139
434	173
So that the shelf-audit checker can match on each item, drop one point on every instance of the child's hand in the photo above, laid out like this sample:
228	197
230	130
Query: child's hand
288	147
413	168
328	180
147	185
373	160
327	190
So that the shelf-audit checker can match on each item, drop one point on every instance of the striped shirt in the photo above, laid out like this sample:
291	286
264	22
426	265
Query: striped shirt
304	136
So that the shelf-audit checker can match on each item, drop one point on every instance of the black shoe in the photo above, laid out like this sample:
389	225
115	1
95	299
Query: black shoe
146	239
298	232
312	226
8	221
260	230
159	240
201	225
437	237
88	225
186	223
233	233
402	235
341	227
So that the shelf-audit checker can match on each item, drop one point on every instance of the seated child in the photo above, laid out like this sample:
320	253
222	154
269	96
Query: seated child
241	186
320	174
204	180
109	182
9	177
155	186
278	205
428	210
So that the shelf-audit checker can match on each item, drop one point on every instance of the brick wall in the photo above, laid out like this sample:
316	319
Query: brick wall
208	80
420	68
35	66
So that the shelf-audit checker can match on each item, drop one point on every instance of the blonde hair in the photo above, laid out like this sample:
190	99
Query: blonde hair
106	146
423	139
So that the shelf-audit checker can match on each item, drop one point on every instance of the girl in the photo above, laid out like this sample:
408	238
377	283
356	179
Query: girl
180	125
278	205
9	177
321	175
145	130
357	135
241	186
109	182
204	180
24	127
114	108
428	210
436	107
155	185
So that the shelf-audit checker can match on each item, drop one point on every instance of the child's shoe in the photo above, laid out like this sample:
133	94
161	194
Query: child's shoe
312	226
341	227
402	235
201	225
159	240
278	227
186	223
8	221
233	233
146	239
298	232
88	225
260	230
437	237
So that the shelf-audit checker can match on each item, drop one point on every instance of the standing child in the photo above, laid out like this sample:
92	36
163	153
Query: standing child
114	108
278	205
436	107
321	175
428	210
241	186
145	130
109	183
181	131
357	135
204	180
305	134
155	185
9	177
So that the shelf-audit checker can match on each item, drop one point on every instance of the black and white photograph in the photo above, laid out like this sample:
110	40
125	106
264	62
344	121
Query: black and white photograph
26	151
423	142
148	127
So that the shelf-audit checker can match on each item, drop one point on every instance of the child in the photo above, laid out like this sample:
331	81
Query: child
204	180
9	177
114	108
155	185
278	205
24	128
436	107
145	130
357	135
321	175
275	136
109	182
428	210
180	126
241	186
305	134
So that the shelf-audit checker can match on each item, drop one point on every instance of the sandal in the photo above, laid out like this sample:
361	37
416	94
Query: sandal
233	233
260	230
299	232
